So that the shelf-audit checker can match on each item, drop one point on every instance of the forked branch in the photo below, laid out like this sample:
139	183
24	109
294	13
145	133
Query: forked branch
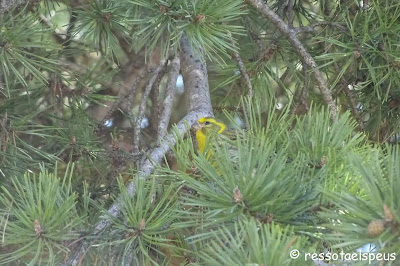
194	73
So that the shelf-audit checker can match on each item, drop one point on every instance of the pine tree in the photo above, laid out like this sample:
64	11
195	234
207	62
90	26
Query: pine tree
98	164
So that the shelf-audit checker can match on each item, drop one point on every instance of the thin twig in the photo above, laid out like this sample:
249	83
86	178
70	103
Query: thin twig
252	34
290	13
291	35
58	32
267	55
155	102
350	98
327	9
169	97
69	35
128	95
301	95
304	91
142	106
244	73
311	28
280	89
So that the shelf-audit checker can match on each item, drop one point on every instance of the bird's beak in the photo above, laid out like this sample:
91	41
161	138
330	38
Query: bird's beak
197	126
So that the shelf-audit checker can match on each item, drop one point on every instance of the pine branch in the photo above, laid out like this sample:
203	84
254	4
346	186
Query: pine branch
350	99
312	26
290	12
194	72
195	77
58	33
244	73
169	97
155	111
128	95
301	96
136	130
291	35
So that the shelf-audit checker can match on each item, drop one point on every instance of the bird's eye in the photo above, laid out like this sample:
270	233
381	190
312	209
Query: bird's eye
207	123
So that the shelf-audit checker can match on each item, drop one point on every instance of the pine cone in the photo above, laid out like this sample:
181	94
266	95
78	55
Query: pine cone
376	227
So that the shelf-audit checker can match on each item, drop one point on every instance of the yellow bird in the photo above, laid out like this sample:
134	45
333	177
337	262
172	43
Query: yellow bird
206	128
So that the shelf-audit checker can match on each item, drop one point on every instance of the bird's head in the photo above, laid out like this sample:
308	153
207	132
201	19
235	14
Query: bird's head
209	125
